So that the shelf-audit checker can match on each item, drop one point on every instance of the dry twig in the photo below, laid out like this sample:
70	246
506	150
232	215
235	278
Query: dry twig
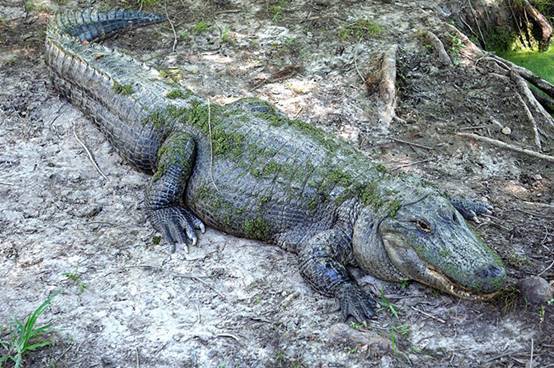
172	27
89	154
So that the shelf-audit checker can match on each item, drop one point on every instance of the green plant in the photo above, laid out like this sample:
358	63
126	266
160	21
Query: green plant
26	336
200	27
276	9
387	304
147	3
76	278
361	29
398	331
456	46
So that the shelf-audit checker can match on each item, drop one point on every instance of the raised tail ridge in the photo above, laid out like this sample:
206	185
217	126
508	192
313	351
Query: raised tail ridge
91	25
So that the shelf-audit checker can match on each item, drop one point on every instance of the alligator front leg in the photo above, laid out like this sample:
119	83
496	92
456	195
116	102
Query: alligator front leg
164	195
323	262
470	209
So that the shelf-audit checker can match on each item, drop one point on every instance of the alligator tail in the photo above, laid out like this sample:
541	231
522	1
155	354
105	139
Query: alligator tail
91	25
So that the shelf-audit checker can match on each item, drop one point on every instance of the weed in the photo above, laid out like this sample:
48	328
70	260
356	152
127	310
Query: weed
76	278
361	29
404	284
27	336
226	37
200	27
184	35
387	304
398	331
358	325
541	314
33	6
147	3
456	46
277	9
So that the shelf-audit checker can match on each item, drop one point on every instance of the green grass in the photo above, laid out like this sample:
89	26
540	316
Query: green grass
147	3
201	27
540	63
361	29
387	305
26	336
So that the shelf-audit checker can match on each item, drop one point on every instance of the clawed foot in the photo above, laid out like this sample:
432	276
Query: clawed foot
470	209
177	226
356	303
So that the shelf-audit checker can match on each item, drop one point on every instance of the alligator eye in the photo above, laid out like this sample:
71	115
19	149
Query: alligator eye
423	226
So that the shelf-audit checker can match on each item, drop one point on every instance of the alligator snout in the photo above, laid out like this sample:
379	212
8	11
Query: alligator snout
492	277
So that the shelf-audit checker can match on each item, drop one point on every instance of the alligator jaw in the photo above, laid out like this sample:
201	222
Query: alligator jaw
414	267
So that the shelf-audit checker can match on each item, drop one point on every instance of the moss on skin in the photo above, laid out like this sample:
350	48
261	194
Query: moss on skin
394	207
172	152
177	93
256	228
122	89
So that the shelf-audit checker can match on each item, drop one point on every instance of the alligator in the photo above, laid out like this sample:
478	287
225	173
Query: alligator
247	169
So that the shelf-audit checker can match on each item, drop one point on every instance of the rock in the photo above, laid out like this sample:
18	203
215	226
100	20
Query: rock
376	344
506	131
535	290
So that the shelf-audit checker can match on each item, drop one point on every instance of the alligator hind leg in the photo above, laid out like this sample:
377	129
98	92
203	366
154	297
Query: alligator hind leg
323	264
164	195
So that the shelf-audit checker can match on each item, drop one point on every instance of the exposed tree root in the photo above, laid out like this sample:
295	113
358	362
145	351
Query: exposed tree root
529	76
537	114
524	89
546	101
382	81
470	52
501	144
387	86
439	48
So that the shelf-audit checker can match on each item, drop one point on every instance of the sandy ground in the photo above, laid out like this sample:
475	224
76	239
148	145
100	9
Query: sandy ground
125	302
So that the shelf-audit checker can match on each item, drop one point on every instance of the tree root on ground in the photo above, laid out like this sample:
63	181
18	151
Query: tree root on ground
536	112
437	44
383	81
501	144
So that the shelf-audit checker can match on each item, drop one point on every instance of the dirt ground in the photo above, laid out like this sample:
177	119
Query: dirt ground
126	302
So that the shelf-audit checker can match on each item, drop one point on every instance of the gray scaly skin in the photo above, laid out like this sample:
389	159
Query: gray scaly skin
246	169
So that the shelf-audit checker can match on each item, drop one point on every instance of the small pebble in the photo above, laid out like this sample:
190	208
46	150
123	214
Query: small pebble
535	290
506	130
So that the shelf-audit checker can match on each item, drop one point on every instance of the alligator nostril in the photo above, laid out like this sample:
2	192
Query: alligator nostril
490	271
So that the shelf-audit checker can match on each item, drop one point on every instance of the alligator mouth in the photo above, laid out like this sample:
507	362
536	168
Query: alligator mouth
412	266
451	287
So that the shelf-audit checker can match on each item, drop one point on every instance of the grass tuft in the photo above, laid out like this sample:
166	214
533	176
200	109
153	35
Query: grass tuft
27	336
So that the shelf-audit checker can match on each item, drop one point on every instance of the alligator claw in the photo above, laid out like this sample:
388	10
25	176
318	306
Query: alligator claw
177	226
356	303
470	209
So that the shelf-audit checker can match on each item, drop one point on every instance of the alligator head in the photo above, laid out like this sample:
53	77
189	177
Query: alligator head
426	239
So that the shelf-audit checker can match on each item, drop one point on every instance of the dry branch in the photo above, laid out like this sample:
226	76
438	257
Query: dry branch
387	85
439	48
501	144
